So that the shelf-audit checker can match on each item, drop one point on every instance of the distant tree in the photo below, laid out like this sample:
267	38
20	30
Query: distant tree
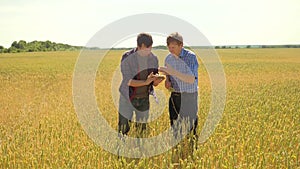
217	47
248	46
14	44
48	44
287	46
21	44
188	47
1	49
4	50
12	49
160	47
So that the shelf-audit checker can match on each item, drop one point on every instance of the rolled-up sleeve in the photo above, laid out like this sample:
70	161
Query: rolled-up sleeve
194	66
126	71
127	74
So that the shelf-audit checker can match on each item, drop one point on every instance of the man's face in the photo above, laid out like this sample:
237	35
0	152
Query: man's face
174	48
144	51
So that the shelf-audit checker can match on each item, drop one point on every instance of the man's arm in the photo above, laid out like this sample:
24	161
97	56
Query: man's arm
139	83
184	77
158	79
168	84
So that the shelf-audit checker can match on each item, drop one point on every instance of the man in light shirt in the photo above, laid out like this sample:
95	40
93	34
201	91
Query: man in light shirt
181	68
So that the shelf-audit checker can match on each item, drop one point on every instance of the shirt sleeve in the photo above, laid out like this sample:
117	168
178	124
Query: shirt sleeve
126	70
194	66
166	61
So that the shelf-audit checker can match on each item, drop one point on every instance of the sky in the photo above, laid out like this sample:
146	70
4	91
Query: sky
74	22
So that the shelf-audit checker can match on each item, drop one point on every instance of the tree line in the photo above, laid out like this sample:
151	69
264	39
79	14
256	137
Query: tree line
44	46
37	46
256	46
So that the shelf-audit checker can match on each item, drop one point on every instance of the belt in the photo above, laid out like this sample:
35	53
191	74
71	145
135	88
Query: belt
176	94
180	93
140	97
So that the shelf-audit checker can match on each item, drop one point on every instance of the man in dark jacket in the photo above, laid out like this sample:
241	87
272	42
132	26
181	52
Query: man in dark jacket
139	69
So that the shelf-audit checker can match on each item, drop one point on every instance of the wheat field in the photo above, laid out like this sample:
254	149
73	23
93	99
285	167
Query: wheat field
260	127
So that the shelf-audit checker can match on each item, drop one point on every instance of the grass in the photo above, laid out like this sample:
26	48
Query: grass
260	127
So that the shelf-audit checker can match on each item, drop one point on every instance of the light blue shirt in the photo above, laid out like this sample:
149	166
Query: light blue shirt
187	64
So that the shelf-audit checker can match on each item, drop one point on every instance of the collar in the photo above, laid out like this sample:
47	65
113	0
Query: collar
181	53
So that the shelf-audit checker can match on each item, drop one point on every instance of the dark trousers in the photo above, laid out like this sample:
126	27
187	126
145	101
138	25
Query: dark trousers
185	106
126	108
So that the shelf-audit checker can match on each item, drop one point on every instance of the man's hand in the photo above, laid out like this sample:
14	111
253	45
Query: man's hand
158	79
168	70
150	78
168	84
139	83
